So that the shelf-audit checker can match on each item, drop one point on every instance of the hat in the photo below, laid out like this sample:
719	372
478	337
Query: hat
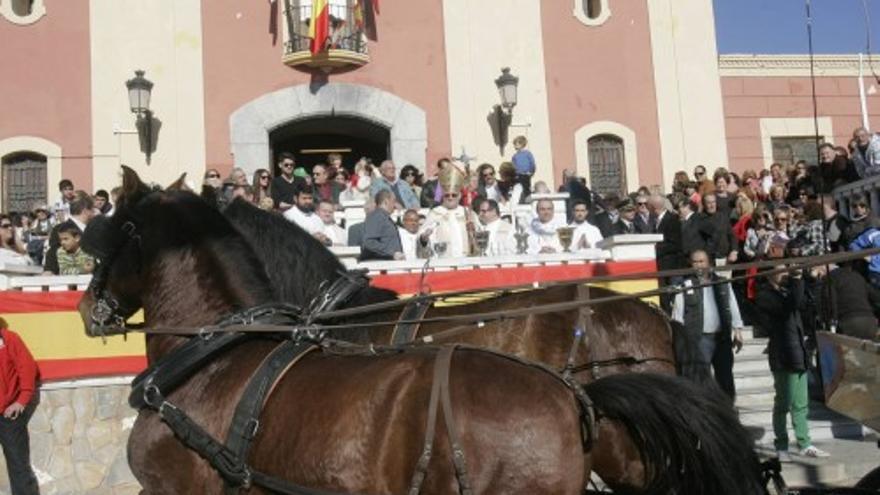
300	172
452	178
626	205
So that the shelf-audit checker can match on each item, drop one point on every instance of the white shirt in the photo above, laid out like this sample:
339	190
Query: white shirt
409	242
337	235
10	257
307	221
492	192
588	230
501	240
543	235
711	317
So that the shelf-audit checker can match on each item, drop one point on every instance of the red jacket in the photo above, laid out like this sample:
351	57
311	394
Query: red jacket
18	370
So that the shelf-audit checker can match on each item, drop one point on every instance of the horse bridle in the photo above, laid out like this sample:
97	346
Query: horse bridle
106	312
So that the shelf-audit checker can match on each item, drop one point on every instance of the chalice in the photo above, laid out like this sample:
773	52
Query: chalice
566	235
481	239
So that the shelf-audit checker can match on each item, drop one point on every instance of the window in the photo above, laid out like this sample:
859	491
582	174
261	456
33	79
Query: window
22	11
607	164
791	149
592	12
24	181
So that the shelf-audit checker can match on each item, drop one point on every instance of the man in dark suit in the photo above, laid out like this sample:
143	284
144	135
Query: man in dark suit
381	238
695	232
606	219
643	216
626	223
668	251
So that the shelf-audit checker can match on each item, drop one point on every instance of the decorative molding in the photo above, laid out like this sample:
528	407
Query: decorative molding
630	149
250	124
38	10
793	65
580	13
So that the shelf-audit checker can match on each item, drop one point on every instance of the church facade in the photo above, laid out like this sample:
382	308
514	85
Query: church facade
624	92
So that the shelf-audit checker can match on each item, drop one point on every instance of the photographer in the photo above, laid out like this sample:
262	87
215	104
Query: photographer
779	302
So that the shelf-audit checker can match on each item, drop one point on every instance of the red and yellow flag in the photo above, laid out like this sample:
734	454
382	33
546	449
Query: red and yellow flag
319	27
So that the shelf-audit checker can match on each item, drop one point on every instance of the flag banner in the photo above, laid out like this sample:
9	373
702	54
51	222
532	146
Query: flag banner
319	27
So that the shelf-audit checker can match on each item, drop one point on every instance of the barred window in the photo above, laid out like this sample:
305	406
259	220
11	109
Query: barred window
24	181
607	164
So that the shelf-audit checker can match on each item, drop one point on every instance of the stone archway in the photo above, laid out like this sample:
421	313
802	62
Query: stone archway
251	124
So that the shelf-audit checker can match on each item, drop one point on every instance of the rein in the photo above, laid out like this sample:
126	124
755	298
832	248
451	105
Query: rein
466	322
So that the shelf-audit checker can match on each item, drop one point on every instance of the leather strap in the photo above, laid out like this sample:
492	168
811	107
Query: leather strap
245	421
408	325
430	431
177	366
444	363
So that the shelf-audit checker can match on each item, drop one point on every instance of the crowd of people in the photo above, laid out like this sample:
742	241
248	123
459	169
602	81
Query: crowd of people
717	219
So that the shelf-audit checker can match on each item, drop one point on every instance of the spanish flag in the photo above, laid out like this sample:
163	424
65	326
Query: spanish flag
319	27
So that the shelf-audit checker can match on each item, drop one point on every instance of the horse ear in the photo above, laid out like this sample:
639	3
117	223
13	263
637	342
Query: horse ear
131	182
179	184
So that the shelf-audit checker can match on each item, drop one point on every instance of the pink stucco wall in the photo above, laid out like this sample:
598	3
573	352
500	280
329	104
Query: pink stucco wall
601	73
749	99
45	89
242	61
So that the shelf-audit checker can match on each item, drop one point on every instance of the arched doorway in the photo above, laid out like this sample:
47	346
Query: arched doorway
251	124
312	139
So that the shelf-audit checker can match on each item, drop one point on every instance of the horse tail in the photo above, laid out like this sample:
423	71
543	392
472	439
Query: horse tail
689	438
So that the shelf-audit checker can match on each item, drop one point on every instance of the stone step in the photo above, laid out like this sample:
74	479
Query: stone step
746	363
754	398
754	379
824	423
850	460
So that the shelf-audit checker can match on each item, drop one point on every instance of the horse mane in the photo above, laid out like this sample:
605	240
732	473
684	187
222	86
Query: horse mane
297	263
193	223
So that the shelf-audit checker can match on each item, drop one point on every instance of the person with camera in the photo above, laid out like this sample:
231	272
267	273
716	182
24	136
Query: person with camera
779	301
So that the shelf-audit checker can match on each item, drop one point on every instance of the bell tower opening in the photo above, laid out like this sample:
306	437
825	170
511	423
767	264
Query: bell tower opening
311	139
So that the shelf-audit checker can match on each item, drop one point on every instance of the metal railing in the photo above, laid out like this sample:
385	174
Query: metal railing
345	34
868	188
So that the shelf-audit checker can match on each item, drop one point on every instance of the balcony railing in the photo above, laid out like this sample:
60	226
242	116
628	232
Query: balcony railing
347	43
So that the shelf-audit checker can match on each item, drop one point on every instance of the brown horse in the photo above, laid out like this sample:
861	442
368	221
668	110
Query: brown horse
356	423
626	336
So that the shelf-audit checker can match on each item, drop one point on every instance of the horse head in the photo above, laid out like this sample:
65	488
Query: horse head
160	242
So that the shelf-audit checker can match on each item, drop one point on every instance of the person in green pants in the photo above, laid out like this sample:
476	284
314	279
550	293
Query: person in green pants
779	300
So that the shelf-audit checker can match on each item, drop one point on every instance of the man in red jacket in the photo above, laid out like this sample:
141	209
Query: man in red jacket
18	398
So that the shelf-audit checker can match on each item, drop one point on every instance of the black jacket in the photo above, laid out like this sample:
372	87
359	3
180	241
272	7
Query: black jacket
604	223
721	240
695	234
851	297
621	228
780	311
668	251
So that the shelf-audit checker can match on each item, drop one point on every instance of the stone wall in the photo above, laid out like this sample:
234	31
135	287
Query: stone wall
78	439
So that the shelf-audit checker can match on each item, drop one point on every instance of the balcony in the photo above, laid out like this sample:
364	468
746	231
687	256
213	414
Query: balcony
347	40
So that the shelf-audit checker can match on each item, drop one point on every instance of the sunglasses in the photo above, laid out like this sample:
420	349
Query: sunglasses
642	203
286	165
264	177
6	226
213	176
450	195
699	173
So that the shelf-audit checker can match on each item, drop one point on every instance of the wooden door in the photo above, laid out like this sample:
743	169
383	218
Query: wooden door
607	165
24	182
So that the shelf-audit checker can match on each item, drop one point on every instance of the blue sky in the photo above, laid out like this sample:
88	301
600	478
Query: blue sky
779	26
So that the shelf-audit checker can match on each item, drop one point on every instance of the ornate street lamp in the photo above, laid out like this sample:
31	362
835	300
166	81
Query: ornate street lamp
139	90
507	88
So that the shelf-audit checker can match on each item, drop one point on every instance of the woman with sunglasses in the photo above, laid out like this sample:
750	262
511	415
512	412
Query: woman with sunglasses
262	184
410	174
12	252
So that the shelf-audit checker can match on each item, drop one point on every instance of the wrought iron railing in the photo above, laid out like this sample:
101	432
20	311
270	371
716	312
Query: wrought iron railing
345	31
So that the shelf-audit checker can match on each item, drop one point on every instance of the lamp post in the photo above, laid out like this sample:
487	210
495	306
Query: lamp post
139	90
507	88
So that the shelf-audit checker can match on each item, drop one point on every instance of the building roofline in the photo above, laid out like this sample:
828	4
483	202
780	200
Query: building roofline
754	65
